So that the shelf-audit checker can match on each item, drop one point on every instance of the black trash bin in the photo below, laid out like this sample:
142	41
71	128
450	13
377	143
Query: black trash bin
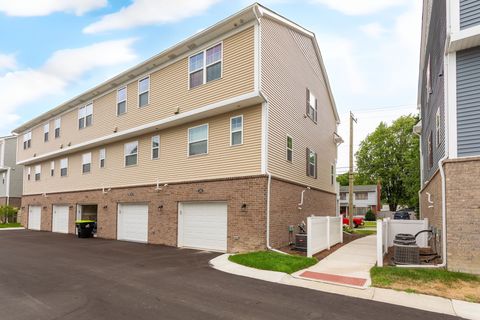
85	228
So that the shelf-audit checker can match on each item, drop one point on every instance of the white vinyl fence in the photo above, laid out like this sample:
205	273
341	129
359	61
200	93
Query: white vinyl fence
387	229
322	233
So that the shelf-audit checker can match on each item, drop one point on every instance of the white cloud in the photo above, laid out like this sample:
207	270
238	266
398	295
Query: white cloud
29	8
373	30
147	12
7	62
20	87
360	7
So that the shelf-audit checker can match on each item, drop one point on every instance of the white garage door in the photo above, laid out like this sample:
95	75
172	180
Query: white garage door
203	225
132	222
60	219
34	217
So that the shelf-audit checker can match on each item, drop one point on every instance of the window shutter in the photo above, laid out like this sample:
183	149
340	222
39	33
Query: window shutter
316	110
316	165
307	162
308	102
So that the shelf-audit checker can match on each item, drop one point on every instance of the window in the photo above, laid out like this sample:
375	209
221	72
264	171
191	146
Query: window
429	79
332	174
131	153
101	157
289	148
58	123
52	168
85	116
46	129
437	128
198	140
38	172
311	163
205	66
64	167
430	151
27	140
29	173
236	130
143	91
3	177
86	162
311	106
343	196
121	101
155	147
361	195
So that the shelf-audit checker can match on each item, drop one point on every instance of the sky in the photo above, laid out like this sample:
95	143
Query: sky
53	50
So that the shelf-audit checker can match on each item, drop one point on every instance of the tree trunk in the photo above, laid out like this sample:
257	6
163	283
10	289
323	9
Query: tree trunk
393	206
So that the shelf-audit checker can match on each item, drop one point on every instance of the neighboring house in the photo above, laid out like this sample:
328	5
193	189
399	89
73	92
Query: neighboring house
366	197
11	174
449	100
208	144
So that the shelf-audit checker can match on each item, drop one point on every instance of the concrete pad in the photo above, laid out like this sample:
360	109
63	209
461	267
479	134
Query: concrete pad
467	310
9	229
414	300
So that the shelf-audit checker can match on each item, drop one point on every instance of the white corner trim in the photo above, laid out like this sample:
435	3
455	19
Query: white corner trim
192	115
451	126
264	146
256	58
453	15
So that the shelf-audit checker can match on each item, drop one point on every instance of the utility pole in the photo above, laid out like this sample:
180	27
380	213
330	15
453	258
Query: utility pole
350	174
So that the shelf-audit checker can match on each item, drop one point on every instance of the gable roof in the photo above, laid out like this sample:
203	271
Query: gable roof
176	52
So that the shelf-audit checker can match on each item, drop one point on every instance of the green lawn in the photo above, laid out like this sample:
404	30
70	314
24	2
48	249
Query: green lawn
10	225
365	232
370	224
439	282
268	260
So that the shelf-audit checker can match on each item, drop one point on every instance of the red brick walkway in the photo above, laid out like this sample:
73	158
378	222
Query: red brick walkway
333	278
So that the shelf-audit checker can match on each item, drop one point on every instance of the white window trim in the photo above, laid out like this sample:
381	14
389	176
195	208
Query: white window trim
29	173
205	64
46	130
27	137
312	104
309	163
188	140
438	122
57	125
152	148
38	170
125	155
52	168
85	116
139	93
89	154
286	148
237	130
100	158
333	174
126	97
61	167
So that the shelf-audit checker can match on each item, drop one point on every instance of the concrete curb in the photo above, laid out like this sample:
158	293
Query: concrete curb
458	308
7	229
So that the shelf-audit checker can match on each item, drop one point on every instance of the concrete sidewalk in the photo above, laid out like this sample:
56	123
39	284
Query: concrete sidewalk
350	265
458	308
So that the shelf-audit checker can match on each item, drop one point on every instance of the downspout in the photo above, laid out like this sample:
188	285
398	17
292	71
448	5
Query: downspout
7	191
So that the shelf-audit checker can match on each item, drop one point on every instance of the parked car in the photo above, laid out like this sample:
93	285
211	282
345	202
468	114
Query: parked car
401	215
357	221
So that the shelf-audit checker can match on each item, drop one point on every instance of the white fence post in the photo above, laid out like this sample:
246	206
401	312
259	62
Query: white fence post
380	243
341	229
328	232
309	237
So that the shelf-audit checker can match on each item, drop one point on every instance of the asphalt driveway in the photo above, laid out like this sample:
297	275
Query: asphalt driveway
54	276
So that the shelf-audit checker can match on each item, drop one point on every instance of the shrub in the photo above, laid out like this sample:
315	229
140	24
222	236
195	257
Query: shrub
370	216
7	213
347	229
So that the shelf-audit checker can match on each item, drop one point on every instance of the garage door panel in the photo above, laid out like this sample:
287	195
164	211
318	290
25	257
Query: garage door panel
60	219
203	225
34	217
133	222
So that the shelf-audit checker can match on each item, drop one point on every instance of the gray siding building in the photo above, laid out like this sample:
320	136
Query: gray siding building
11	174
449	103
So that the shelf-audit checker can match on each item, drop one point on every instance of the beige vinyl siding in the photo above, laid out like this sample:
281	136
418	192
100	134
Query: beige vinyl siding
289	67
173	165
168	91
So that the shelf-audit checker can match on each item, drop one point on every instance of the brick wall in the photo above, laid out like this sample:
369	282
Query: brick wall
284	210
463	215
246	229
